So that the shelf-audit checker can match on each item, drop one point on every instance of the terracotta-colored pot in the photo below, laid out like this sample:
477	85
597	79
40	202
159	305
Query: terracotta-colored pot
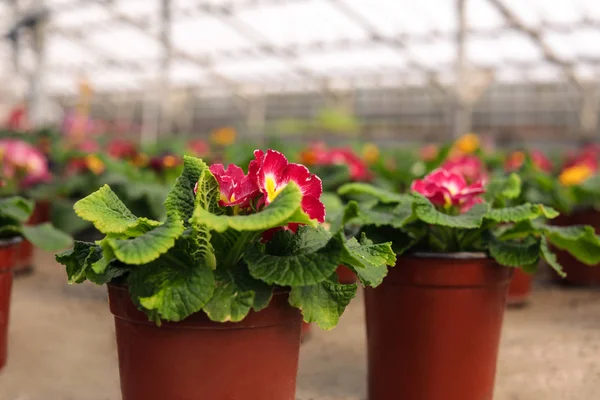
519	289
8	250
345	275
578	273
433	328
255	359
24	263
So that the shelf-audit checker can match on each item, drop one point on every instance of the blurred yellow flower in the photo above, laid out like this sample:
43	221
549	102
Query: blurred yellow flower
370	153
224	136
575	175
467	143
170	161
94	164
140	160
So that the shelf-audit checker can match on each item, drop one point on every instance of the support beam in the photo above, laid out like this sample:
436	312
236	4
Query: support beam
536	36
588	112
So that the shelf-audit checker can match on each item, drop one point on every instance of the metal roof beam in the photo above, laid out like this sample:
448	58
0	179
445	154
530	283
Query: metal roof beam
536	36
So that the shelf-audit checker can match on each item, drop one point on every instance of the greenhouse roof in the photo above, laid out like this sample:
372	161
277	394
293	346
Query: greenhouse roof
297	45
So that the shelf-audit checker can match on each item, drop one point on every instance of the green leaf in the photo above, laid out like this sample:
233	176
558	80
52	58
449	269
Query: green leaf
149	246
579	240
207	199
322	303
333	206
427	212
16	208
296	264
521	213
172	287
141	226
550	258
181	198
503	188
78	260
106	211
235	294
368	260
384	196
515	254
286	208
385	214
46	237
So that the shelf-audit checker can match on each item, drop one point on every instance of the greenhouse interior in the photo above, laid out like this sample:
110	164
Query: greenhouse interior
299	200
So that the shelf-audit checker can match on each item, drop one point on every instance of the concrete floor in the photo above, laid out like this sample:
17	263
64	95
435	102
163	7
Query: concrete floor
62	346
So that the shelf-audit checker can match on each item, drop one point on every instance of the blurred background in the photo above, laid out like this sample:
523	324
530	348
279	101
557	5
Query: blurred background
401	71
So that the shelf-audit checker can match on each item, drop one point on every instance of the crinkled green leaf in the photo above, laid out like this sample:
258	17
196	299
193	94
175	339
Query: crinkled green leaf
207	199
427	212
515	254
305	240
141	226
16	208
579	240
322	303
46	237
503	188
106	211
384	196
181	199
286	208
550	258
149	246
235	294
521	213
78	260
172	287
368	260
305	266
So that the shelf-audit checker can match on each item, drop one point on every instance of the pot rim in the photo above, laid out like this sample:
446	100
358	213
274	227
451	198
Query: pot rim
7	242
461	255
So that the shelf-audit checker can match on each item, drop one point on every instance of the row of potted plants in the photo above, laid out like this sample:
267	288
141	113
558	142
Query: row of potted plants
220	287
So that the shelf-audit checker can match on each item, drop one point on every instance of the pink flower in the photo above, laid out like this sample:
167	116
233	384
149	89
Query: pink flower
237	189
271	171
319	154
447	188
540	161
23	161
469	166
198	147
121	149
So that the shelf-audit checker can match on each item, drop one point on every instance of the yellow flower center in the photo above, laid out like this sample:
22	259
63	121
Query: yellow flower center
271	187
575	175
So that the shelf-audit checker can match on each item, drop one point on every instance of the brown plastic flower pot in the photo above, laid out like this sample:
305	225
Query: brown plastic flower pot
578	273
519	289
24	263
345	275
433	328
8	250
255	359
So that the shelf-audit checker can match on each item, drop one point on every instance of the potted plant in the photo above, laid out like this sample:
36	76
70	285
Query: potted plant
576	193
208	303
532	166
14	212
433	326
